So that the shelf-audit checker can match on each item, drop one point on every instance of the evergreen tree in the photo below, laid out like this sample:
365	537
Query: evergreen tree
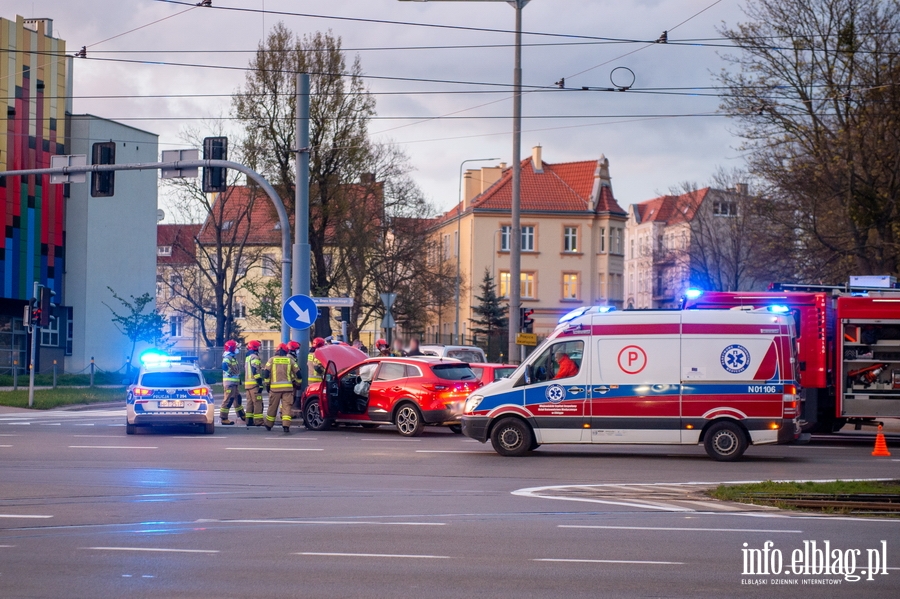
491	319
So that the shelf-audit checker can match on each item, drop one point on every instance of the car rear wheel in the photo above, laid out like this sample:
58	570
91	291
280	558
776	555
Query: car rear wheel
725	442
130	429
512	437
456	428
409	421
313	418
209	429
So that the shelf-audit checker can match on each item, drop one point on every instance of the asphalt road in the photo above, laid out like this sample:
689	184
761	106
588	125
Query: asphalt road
88	512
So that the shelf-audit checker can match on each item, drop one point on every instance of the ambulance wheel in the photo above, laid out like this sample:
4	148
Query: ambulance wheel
456	429
409	421
312	417
130	429
512	437
725	442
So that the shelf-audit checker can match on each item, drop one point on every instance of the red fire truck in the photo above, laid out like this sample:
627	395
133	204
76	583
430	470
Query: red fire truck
848	347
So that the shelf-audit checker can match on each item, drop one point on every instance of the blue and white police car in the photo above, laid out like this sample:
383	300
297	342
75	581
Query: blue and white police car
169	390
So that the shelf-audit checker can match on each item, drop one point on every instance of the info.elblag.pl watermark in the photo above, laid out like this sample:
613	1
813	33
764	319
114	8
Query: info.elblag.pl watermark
815	563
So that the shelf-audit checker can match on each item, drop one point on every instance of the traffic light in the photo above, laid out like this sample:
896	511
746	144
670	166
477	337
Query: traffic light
345	314
525	317
214	177
103	184
45	307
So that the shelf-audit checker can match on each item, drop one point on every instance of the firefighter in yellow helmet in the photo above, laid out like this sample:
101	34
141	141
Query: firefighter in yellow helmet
253	385
281	373
231	378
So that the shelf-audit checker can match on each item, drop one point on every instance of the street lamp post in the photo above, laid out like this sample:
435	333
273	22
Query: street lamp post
456	340
515	246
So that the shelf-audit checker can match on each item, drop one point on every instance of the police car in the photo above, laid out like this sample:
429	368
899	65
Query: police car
169	390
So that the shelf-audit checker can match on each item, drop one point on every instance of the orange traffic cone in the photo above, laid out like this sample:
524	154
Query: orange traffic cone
880	445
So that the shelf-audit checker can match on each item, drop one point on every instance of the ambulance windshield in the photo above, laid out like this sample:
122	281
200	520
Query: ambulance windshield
558	361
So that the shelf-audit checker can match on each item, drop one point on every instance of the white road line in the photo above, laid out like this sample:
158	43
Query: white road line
19	423
10	435
685	528
99	436
24	516
90	424
110	447
448	451
152	549
327	522
195	437
394	555
291	438
53	424
273	449
607	561
5	445
7	546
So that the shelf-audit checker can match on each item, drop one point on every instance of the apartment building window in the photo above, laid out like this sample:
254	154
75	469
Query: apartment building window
176	326
269	265
631	284
266	347
632	249
526	286
725	209
571	286
455	242
601	285
160	286
528	238
227	225
620	241
570	239
50	333
164	250
446	246
239	309
504	238
602	234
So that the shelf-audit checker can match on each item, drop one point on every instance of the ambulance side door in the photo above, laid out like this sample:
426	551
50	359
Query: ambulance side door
636	392
556	394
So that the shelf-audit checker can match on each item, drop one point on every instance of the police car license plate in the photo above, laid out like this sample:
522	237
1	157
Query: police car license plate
171	403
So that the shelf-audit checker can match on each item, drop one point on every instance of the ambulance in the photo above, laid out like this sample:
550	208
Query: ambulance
722	378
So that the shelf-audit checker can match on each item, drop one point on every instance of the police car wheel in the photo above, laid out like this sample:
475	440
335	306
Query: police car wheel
512	437
725	442
130	429
456	429
209	429
409	421
312	417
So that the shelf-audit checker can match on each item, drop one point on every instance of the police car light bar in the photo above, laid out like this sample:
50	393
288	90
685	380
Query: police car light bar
693	293
155	357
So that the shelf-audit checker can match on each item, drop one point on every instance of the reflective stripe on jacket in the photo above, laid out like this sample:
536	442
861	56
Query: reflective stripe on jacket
283	372
231	371
311	362
252	375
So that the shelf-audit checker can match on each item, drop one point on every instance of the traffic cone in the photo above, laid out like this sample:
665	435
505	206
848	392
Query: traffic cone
881	449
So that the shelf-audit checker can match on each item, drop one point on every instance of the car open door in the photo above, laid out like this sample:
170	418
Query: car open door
330	404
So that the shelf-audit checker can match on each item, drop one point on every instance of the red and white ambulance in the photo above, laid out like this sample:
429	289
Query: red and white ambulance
722	378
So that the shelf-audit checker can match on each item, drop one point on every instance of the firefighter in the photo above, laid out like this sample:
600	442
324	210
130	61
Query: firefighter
253	385
383	348
281	373
314	365
231	377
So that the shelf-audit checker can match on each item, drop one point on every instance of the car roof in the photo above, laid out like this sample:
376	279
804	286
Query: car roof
431	360
492	365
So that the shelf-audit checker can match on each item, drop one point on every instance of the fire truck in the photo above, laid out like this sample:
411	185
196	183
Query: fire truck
848	347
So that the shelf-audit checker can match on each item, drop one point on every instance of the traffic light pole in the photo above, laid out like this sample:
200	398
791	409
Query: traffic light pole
192	164
35	331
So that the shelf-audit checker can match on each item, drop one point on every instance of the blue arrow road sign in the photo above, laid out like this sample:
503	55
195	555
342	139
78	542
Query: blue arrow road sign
299	312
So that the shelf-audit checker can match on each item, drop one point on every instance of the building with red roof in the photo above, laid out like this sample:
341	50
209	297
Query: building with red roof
573	239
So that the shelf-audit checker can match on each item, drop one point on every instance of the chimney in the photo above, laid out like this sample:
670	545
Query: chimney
536	160
367	178
742	189
477	181
601	180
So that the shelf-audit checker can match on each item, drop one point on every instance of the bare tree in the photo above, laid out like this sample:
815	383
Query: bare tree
816	87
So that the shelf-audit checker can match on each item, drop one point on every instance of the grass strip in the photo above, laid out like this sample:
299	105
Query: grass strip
44	399
832	494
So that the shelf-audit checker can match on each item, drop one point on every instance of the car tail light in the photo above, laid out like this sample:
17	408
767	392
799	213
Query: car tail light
200	391
436	387
142	391
790	404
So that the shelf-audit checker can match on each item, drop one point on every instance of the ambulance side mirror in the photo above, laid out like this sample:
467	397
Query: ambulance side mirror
529	374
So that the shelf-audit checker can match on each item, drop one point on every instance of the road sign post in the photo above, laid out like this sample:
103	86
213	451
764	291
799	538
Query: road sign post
388	323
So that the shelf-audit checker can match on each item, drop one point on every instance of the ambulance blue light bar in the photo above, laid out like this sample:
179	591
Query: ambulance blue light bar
779	309
585	310
693	293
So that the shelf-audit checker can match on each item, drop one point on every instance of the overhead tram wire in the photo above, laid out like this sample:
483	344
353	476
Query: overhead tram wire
141	27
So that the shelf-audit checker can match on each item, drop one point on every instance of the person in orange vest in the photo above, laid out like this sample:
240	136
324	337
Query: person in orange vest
567	366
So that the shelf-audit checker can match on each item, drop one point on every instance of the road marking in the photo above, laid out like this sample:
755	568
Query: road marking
152	549
680	528
19	423
91	424
607	561
10	435
326	522
448	451
7	546
274	449
99	436
5	445
304	438
53	424
395	440
196	437
394	555
111	447
23	516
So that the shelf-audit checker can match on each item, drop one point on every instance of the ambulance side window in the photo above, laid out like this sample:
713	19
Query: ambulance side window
558	361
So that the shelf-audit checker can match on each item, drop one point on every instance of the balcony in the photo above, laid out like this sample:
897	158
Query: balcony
664	294
664	256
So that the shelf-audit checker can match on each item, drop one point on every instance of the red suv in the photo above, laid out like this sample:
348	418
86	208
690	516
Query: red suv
407	392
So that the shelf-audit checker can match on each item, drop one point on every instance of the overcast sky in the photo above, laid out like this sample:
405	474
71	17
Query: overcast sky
647	155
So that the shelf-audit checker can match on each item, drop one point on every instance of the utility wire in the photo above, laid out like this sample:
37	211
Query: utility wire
141	27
